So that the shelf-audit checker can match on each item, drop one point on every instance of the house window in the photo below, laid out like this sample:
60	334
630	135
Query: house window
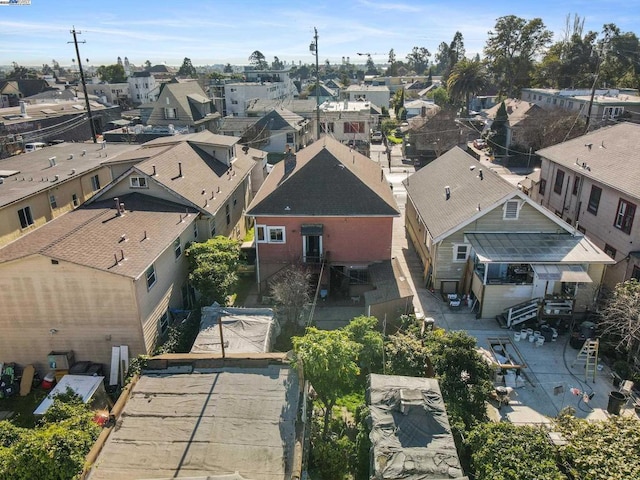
290	138
511	210
170	113
353	127
74	200
261	236
624	217
163	323
327	127
358	276
609	250
138	182
636	272
227	212
582	230
576	184
195	230
52	201
542	187
95	183
461	252
150	274
276	235
234	102
594	200
212	227
557	186
177	247
24	214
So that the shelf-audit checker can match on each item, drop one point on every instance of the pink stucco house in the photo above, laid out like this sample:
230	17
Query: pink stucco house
329	208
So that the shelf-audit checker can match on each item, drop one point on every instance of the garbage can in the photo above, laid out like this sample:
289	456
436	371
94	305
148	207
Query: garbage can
616	401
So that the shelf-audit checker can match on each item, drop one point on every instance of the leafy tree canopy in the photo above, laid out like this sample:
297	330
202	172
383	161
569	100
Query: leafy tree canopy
418	59
258	60
112	73
187	69
212	268
467	78
620	318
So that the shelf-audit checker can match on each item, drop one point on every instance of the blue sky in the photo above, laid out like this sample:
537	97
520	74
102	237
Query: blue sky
219	32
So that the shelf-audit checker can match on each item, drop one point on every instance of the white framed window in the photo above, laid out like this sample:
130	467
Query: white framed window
150	274
195	230
95	183
170	113
461	252
163	323
261	234
26	219
138	182
74	200
52	201
511	210
212	227
177	247
276	235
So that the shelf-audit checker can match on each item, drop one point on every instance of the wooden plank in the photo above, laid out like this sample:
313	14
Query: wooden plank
27	380
124	361
510	351
115	366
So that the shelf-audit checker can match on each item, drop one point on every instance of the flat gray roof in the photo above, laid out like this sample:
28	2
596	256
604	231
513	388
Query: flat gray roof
222	421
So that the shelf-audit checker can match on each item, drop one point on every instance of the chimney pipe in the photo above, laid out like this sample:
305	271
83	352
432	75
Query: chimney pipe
117	200
447	192
480	174
154	171
122	254
180	169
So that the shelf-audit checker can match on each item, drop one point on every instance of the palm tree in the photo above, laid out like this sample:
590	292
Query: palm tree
468	77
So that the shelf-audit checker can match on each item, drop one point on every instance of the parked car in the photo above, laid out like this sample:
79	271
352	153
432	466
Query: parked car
479	143
376	136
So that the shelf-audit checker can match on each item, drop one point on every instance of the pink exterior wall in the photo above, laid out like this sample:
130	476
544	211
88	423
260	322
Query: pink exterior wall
350	240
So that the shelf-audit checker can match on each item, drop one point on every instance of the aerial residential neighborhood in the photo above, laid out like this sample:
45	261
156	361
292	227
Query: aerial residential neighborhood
351	242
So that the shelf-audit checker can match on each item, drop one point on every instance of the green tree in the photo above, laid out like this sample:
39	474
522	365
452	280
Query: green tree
504	451
212	268
418	59
439	95
371	67
392	71
147	64
362	330
277	64
329	362
228	68
54	450
21	73
111	73
257	59
467	78
598	450
407	355
497	137
620	53
187	69
511	49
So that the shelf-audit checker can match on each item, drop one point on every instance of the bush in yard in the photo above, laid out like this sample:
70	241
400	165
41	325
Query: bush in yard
504	451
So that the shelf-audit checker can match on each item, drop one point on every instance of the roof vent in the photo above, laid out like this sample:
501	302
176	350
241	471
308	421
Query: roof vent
84	152
588	145
154	171
71	156
480	174
52	161
447	192
55	178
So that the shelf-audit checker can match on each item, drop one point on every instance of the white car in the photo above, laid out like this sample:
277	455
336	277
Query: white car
376	137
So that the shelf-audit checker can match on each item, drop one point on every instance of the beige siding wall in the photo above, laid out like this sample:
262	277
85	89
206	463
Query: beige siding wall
416	231
40	204
90	310
497	298
587	292
123	187
529	220
444	268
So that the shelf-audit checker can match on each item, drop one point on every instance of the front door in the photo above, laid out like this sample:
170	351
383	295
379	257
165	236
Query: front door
312	248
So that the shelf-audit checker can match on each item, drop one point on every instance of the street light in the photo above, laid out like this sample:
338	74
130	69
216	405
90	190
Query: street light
313	48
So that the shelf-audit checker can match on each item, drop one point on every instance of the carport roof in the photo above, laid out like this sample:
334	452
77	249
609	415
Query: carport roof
535	248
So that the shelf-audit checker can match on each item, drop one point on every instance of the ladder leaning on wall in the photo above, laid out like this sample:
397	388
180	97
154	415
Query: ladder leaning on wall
588	355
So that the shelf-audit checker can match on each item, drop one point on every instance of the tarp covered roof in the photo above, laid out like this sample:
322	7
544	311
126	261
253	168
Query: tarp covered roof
244	330
410	432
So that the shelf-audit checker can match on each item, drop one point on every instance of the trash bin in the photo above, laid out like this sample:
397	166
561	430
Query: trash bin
616	401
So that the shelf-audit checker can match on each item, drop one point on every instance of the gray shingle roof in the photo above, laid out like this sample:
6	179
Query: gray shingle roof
426	189
91	235
327	179
613	158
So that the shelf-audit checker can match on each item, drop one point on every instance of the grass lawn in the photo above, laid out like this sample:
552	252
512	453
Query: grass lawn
243	288
23	407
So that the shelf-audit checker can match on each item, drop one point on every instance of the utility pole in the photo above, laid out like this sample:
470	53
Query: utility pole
314	49
84	85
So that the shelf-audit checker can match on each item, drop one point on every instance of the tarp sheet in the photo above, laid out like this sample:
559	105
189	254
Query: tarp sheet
410	431
85	386
245	330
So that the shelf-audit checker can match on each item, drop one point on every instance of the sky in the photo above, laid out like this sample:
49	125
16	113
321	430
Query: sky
220	32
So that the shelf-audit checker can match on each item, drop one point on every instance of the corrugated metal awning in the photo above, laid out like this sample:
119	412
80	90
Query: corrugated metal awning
313	229
562	273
